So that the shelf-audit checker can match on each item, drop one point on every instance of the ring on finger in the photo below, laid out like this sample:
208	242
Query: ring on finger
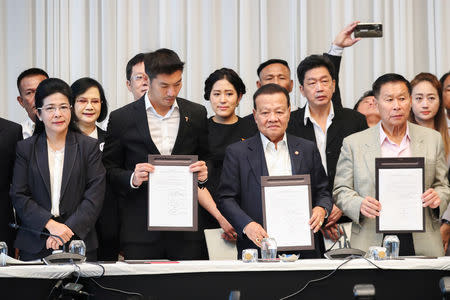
258	240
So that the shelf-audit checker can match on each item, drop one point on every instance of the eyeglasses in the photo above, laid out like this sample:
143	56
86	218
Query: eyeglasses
84	101
139	77
52	109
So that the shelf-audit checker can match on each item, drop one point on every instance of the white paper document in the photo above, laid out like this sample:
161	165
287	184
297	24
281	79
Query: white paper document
287	215
170	191
399	192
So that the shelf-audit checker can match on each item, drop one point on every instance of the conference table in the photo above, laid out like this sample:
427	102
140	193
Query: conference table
409	278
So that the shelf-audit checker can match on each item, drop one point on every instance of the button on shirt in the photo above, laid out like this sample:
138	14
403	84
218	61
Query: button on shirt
163	129
391	149
278	160
55	166
321	136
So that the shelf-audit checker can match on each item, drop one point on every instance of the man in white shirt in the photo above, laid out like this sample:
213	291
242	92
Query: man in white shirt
270	152
27	83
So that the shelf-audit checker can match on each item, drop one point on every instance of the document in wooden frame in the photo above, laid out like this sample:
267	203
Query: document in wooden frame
287	208
172	194
399	187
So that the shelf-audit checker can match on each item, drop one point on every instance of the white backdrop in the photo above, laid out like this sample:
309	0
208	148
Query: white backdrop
76	38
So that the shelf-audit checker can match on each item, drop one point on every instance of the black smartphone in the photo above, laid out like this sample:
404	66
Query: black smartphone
368	30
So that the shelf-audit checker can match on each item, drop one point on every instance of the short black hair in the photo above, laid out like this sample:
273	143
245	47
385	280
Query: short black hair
138	58
312	62
30	72
49	87
82	85
271	62
162	61
230	75
366	94
270	89
386	78
443	78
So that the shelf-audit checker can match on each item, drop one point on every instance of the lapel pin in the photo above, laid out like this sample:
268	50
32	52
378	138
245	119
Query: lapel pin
242	139
296	152
187	119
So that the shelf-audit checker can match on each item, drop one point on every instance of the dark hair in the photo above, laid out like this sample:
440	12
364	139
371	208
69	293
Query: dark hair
270	89
224	73
271	62
443	78
49	87
30	72
366	94
82	85
312	62
386	78
162	61
138	58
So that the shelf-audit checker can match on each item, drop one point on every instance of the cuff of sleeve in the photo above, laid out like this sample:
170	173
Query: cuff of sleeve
131	182
336	50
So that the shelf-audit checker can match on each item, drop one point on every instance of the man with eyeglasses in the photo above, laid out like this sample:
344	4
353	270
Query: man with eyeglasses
137	80
323	122
27	83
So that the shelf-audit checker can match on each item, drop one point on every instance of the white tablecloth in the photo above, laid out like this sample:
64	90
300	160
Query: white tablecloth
122	268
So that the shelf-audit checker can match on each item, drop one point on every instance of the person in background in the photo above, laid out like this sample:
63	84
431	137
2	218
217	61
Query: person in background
10	133
137	80
366	106
58	180
445	84
27	83
224	90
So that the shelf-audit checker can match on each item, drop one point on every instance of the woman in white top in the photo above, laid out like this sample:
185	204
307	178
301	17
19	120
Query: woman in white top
59	180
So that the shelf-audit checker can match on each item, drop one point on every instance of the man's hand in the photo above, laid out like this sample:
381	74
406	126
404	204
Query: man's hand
255	233
59	229
445	234
333	232
201	168
370	207
229	233
335	215
141	173
344	38
431	198
52	243
318	215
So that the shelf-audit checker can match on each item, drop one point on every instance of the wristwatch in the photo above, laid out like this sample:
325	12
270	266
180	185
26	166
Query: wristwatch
444	221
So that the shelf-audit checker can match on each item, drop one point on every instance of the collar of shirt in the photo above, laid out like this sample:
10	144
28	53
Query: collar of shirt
27	128
94	134
389	148
308	115
149	107
267	143
384	137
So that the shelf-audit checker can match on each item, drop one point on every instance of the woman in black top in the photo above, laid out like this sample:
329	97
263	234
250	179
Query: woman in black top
224	89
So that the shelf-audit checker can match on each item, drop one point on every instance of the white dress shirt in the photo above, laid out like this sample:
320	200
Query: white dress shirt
163	129
55	166
278	160
321	136
94	134
27	128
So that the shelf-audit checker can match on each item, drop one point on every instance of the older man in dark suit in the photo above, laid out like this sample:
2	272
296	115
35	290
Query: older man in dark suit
11	133
270	152
158	123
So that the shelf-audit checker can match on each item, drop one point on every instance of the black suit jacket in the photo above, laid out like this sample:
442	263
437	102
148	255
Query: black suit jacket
129	142
10	134
239	193
345	122
82	189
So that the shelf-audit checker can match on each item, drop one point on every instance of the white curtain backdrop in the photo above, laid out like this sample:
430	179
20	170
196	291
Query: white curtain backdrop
76	38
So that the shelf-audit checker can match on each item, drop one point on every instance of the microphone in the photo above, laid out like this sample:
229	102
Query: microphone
17	226
55	258
345	252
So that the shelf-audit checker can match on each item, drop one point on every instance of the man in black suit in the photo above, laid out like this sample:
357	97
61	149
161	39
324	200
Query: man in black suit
322	122
157	123
270	152
11	133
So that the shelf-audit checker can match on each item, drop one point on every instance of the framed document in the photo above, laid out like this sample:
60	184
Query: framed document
172	194
286	205
399	187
